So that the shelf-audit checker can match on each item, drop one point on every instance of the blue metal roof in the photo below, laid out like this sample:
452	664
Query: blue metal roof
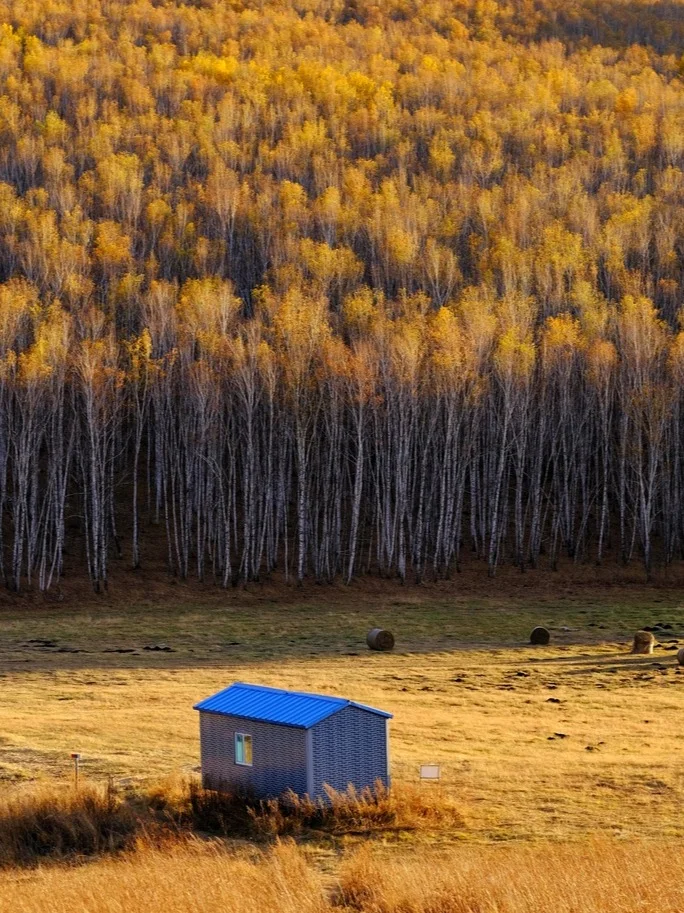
273	705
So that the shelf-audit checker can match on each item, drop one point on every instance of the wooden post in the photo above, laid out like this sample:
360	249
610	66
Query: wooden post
75	758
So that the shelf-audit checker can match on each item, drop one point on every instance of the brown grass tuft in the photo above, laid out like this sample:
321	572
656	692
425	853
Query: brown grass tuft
62	824
584	878
403	808
196	877
361	812
184	879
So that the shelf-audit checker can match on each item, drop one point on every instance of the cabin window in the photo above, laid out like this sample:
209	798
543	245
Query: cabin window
243	749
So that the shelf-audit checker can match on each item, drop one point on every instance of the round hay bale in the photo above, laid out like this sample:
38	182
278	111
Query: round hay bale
644	641
540	636
680	656
379	639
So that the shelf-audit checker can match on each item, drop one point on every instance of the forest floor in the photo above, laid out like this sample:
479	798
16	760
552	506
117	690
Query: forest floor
560	742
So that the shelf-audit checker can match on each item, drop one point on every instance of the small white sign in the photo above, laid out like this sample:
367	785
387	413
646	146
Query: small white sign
429	772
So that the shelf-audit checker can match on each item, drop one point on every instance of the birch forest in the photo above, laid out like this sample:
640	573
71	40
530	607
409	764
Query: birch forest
326	288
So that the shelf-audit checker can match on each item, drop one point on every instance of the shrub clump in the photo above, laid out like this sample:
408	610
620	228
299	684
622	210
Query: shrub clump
353	811
62	824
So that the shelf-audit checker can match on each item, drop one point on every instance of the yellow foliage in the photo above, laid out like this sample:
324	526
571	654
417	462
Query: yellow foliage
402	247
514	356
18	300
448	356
442	157
362	311
208	306
562	339
220	69
301	328
112	246
602	359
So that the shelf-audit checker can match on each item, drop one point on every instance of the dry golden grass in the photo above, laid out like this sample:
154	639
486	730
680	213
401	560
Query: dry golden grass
604	876
60	824
560	741
63	823
576	743
594	877
484	714
184	879
404	808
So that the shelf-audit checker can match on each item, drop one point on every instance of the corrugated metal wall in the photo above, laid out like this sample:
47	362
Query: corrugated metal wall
349	747
279	755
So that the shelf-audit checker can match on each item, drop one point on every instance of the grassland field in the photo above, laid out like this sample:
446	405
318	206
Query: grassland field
564	745
577	738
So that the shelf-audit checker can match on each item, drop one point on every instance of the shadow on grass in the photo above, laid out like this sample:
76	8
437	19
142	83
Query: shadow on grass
625	660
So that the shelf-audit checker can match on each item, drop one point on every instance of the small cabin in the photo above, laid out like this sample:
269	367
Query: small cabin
268	741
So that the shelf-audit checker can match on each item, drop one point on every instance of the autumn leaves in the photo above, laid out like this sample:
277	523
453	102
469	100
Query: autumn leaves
331	290
384	438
